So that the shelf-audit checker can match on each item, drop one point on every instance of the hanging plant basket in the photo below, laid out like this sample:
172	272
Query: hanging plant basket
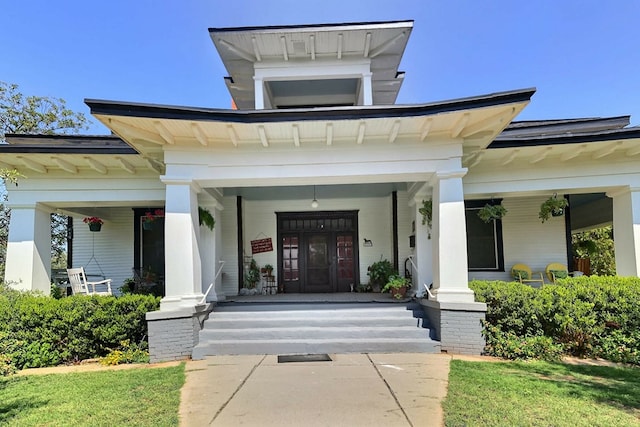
95	223
147	225
427	214
95	226
206	218
553	206
490	212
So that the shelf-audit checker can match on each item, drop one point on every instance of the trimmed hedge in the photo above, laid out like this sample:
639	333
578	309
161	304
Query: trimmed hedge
584	316
38	331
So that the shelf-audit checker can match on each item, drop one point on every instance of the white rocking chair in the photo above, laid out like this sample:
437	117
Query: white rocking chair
80	286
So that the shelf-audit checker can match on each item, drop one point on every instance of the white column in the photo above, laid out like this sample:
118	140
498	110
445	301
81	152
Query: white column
626	231
367	90
450	276
211	248
183	271
258	84
28	263
423	251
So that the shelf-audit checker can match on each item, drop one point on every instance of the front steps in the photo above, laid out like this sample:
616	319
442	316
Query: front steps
310	328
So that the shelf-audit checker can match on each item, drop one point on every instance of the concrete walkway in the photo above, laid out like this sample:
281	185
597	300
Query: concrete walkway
401	389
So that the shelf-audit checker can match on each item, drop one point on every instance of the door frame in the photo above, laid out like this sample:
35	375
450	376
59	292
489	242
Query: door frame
307	223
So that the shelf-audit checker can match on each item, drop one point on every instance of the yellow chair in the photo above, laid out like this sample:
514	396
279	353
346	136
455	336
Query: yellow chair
555	270
523	274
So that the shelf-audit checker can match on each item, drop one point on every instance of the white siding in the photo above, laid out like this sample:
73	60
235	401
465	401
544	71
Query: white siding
405	219
112	247
527	240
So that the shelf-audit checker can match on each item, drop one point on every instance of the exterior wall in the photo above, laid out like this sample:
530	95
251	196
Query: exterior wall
113	246
405	219
527	240
374	221
229	252
458	326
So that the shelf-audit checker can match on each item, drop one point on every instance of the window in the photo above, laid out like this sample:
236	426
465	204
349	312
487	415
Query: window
484	240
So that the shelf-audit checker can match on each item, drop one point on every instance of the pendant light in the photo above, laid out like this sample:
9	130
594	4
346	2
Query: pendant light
314	202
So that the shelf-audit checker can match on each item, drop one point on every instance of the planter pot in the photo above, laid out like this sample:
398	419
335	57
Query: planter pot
147	225
95	226
557	212
399	293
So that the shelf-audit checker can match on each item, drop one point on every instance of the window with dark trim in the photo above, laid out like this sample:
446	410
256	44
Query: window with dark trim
484	240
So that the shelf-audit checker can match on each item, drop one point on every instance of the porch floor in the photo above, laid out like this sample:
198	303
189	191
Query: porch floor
341	297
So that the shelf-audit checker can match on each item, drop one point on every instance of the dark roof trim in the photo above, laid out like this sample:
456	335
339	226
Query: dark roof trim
555	122
65	150
305	26
66	144
114	108
620	134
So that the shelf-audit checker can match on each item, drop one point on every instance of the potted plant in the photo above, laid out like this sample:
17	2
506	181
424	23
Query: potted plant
150	217
252	276
397	286
553	206
427	214
205	218
379	273
95	223
491	212
268	268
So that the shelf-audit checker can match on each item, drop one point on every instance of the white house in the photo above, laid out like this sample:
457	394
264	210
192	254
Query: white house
316	120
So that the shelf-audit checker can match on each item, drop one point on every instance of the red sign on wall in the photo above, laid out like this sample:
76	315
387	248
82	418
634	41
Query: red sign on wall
261	245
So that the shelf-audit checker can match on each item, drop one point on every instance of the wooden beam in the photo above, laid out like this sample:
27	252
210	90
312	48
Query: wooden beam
573	153
541	155
64	165
426	127
488	123
33	165
153	164
477	159
256	51
386	45
7	166
240	52
633	151
609	149
96	165
263	136
199	134
136	132
459	126
339	46
164	132
510	157
361	129
283	44
126	165
312	46
296	135
329	134
394	131
232	135
367	45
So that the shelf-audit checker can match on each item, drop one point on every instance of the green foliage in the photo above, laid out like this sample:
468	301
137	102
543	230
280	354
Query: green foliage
205	218
397	286
585	316
597	245
42	331
127	353
253	275
490	212
379	273
552	206
427	214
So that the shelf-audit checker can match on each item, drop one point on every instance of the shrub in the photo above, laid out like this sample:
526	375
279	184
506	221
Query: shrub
127	353
584	316
42	331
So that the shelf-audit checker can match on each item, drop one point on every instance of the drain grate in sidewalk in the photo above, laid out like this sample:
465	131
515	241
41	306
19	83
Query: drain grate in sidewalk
289	358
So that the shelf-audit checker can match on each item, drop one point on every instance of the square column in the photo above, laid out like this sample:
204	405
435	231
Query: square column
183	272
626	231
28	263
450	275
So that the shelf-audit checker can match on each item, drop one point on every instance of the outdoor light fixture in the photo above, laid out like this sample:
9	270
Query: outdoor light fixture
314	202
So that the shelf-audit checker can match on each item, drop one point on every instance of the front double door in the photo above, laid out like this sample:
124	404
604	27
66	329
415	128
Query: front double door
318	259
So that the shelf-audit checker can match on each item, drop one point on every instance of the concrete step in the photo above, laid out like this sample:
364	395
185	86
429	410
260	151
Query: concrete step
299	328
315	346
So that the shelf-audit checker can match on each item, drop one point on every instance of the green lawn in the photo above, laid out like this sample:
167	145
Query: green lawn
541	394
131	397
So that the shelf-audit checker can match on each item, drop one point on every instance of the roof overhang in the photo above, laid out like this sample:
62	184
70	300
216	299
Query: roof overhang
153	128
245	48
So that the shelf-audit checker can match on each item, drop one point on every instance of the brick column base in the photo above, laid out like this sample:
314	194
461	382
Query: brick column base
173	334
457	325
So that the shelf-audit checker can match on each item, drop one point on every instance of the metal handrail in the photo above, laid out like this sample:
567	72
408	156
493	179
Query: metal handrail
204	297
426	288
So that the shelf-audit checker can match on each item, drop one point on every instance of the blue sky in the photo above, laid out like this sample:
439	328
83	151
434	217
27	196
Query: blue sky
583	56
